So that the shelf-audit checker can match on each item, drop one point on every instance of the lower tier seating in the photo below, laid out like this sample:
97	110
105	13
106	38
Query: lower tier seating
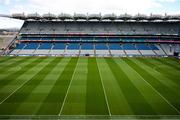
92	49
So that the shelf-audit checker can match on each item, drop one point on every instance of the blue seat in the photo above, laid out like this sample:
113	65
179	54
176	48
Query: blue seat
20	46
127	39
32	46
87	46
101	46
153	47
59	46
73	46
128	46
115	46
33	38
46	38
142	47
61	38
100	39
73	39
114	39
87	39
45	46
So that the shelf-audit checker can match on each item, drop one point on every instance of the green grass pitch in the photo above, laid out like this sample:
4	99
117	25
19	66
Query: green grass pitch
89	87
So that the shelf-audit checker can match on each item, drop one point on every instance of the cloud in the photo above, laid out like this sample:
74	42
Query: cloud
172	1
89	6
5	2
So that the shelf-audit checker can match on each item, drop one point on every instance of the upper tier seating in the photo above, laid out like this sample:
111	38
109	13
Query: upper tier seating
123	28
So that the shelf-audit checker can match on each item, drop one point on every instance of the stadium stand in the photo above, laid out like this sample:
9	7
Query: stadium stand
104	36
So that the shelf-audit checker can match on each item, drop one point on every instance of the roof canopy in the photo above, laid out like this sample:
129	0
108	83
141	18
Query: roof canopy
99	17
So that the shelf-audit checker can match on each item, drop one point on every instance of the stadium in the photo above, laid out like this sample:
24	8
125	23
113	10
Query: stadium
92	66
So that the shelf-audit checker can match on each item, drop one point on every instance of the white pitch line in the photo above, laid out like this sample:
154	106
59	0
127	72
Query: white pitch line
159	93
68	90
14	91
104	91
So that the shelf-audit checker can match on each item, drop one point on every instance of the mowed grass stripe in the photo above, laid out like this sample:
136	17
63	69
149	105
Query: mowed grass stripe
135	99
173	60
166	71
15	68
95	98
13	64
161	78
9	60
76	100
117	101
53	102
6	59
7	84
11	77
167	93
168	64
158	103
20	96
34	99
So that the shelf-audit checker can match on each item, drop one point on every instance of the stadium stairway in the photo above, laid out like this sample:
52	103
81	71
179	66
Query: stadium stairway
116	49
153	48
138	50
102	49
163	50
169	49
160	51
130	49
145	50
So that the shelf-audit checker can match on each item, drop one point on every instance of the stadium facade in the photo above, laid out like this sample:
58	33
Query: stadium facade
96	35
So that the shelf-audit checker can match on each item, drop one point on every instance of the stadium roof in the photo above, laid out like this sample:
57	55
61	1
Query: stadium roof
99	17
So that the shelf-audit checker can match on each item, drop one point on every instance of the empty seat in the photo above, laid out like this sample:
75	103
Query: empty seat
101	46
153	47
59	46
115	46
20	46
46	38
87	39
73	46
114	39
45	46
32	46
61	39
100	39
142	47
128	46
87	46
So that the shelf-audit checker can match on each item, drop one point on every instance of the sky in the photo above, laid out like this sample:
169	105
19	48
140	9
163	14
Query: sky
84	6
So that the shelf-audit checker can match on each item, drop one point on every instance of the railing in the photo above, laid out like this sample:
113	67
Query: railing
6	50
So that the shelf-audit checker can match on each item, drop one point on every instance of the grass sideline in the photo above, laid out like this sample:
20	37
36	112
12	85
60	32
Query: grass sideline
102	88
